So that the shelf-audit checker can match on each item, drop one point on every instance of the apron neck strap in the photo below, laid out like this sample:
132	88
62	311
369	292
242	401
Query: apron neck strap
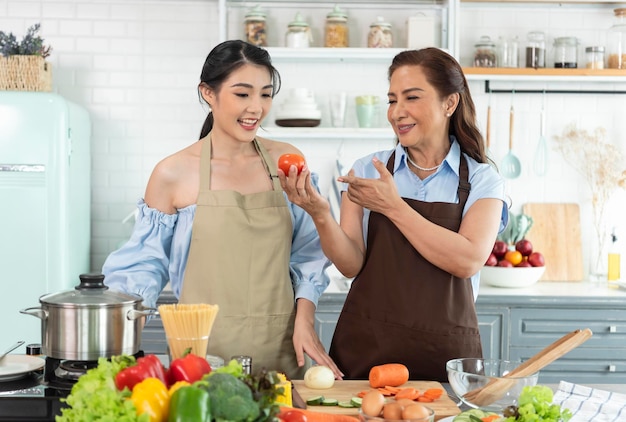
205	169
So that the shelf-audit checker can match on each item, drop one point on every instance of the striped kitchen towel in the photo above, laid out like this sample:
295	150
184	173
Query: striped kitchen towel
591	404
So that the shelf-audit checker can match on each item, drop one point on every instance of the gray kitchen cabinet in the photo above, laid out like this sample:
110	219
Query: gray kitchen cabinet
493	323
516	327
602	358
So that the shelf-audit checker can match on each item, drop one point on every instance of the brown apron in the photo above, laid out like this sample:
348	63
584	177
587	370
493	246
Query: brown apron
401	308
239	260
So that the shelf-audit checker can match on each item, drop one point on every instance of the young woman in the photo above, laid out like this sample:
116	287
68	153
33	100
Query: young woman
417	223
216	224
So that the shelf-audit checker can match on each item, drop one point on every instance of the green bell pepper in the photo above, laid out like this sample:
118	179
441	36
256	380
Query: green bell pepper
190	403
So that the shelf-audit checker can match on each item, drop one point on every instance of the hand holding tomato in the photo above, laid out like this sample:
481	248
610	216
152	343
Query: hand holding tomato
285	162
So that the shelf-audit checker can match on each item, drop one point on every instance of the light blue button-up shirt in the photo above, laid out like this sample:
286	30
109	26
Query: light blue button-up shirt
441	186
158	249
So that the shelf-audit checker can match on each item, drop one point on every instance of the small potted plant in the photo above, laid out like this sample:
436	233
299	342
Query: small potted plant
23	65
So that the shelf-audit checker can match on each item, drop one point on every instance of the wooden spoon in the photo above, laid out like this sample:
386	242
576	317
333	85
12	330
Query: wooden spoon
497	387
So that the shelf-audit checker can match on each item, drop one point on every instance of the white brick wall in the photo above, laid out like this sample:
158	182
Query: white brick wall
135	64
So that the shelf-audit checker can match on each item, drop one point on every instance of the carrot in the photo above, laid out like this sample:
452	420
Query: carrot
407	393
393	374
385	391
312	416
433	393
425	399
490	418
362	394
394	390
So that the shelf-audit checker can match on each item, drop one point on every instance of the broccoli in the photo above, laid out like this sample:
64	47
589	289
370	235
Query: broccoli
231	398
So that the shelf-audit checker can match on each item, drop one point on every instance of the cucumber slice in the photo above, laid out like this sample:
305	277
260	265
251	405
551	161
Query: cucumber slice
356	401
330	402
346	404
315	401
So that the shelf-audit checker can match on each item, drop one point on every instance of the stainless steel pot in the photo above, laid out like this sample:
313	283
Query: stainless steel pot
90	322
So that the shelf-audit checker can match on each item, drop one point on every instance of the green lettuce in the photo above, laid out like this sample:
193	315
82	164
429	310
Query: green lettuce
94	397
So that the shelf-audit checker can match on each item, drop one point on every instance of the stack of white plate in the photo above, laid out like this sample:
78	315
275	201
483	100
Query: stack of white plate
299	110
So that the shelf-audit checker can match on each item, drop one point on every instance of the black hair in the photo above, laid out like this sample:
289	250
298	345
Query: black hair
227	57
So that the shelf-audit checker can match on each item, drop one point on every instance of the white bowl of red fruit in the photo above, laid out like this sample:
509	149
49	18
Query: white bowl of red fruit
513	265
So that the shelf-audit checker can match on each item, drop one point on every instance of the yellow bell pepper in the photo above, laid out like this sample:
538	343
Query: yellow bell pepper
176	386
285	397
151	397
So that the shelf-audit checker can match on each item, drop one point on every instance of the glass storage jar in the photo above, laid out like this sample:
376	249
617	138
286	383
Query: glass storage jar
485	52
298	33
536	49
566	52
255	27
594	57
336	29
617	41
508	55
380	35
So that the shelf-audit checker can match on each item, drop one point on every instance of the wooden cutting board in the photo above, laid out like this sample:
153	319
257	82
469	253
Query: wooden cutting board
345	390
556	234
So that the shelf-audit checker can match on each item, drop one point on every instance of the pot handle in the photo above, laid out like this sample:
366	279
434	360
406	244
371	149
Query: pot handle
136	314
36	311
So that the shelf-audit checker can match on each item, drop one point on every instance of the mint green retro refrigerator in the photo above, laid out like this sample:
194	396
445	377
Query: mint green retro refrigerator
45	179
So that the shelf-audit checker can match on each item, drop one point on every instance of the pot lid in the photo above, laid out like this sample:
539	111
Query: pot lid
90	291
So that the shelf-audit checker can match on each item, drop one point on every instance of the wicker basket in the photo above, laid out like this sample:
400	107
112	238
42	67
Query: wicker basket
25	73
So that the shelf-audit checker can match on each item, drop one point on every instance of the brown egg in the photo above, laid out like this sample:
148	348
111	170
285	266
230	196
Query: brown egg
415	411
405	402
392	411
372	403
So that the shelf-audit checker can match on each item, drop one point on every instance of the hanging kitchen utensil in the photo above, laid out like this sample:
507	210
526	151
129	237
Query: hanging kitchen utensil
495	389
511	166
540	163
10	349
488	129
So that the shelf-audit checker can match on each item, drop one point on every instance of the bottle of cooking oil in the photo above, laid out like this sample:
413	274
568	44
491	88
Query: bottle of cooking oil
614	262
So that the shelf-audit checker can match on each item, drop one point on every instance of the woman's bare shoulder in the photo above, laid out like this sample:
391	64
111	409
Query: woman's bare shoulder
174	180
278	148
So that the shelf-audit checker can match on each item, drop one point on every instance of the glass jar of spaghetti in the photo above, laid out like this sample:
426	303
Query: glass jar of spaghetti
255	27
336	29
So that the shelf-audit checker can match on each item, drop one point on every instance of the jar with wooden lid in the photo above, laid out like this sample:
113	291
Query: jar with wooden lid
616	40
379	35
255	27
298	33
336	29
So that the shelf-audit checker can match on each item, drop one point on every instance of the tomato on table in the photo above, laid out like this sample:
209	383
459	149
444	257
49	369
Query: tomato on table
285	162
293	416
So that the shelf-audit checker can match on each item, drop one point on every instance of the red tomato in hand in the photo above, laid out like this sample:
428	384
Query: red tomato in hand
293	416
285	162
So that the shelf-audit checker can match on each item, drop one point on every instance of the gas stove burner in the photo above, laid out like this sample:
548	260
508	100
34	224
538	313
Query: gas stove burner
73	369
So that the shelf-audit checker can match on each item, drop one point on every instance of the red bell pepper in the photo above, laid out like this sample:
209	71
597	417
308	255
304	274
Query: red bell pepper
190	368
149	366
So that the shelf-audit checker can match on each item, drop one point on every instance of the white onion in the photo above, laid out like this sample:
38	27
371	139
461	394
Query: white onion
319	377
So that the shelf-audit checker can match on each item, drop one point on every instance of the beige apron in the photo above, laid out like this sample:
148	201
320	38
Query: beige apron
239	260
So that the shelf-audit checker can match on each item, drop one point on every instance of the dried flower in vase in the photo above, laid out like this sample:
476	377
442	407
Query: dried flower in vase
600	163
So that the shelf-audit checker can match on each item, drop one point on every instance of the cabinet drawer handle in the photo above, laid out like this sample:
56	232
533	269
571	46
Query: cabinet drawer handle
612	329
612	368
